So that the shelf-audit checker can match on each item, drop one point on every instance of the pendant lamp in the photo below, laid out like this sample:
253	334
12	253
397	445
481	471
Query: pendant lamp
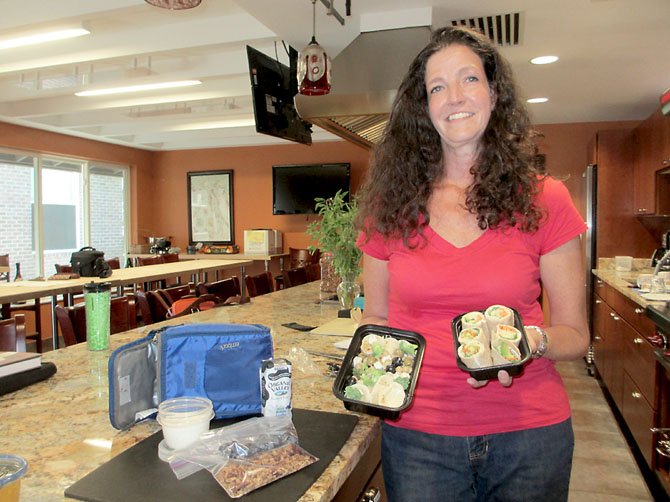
313	65
174	4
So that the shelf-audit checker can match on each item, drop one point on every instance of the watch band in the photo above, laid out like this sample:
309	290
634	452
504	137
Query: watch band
542	346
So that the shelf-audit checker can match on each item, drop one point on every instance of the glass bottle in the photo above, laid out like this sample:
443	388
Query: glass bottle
18	276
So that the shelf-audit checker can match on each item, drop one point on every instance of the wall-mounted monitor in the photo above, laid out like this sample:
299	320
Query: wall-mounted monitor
273	86
295	187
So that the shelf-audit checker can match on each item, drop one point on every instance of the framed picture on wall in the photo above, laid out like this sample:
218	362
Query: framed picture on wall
210	207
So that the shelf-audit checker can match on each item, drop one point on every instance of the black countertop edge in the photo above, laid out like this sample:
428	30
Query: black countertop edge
663	359
660	316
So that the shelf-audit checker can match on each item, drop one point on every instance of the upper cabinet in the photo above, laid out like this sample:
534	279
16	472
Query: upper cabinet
652	154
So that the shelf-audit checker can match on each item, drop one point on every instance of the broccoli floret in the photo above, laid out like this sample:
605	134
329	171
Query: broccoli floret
352	392
402	380
408	348
371	376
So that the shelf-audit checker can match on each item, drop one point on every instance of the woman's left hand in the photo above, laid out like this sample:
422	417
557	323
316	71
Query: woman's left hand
503	377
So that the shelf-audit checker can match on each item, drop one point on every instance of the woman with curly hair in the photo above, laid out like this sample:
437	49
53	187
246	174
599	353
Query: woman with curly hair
455	218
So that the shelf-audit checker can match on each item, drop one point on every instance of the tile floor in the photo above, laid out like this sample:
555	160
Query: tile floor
603	466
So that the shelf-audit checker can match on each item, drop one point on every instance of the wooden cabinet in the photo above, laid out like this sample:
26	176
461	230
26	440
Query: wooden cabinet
644	187
626	364
652	154
366	477
618	229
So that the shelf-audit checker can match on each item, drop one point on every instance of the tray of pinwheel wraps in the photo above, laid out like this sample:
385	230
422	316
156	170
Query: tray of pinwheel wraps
379	371
487	341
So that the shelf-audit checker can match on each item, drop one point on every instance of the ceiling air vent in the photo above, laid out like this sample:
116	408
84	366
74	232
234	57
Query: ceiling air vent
503	29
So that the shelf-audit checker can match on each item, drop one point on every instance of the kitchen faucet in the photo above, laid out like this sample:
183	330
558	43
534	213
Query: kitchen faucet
660	262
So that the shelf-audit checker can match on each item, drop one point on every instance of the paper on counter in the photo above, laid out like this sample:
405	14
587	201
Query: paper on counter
342	326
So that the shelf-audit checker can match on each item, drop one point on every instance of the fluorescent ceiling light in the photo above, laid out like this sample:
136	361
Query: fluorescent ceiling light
219	124
38	38
537	100
138	88
544	60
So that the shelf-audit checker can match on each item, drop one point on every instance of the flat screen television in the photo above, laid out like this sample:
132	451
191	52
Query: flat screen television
273	86
295	187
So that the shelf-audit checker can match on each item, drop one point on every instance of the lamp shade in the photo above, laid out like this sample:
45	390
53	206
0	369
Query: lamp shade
313	70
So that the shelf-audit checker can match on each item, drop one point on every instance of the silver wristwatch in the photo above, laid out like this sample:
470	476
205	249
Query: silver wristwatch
542	346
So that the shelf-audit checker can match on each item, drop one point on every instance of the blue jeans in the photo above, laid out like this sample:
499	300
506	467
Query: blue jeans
528	465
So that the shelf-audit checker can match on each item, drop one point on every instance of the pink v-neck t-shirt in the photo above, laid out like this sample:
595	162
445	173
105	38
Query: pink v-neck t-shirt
436	281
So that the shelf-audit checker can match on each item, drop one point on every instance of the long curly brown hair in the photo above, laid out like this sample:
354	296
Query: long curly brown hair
408	160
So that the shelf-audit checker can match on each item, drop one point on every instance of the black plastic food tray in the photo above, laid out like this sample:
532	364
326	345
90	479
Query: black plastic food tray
347	368
491	372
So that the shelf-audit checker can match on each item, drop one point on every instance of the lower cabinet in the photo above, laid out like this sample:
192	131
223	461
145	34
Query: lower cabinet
366	481
626	364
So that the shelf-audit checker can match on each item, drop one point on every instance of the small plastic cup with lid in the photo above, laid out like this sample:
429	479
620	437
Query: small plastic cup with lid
12	469
183	419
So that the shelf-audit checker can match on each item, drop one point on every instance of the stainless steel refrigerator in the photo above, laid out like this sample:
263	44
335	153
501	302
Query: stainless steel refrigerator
590	176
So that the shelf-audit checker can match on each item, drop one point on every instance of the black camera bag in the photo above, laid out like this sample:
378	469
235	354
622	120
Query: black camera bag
88	262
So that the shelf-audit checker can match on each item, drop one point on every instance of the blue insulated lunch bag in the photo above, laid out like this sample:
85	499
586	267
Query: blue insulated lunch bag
218	361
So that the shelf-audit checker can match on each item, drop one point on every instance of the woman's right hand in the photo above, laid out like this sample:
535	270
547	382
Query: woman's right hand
503	377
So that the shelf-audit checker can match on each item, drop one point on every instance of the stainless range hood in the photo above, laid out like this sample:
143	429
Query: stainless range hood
366	75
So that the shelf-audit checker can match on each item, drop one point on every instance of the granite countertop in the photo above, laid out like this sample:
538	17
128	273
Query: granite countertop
61	426
658	312
624	281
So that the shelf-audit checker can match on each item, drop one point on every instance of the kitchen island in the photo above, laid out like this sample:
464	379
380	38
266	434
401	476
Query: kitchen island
61	425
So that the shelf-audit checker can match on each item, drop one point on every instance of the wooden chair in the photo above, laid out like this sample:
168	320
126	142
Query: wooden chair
174	293
13	334
7	310
141	261
143	308
4	262
114	263
72	320
313	272
224	289
151	260
298	257
295	277
259	284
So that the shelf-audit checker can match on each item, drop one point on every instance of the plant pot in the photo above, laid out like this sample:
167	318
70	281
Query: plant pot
347	292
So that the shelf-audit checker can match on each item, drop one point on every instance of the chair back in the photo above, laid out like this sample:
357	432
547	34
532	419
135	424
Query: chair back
302	257
149	260
313	272
174	293
295	277
4	262
114	263
63	269
72	320
13	334
170	257
224	288
143	307
259	284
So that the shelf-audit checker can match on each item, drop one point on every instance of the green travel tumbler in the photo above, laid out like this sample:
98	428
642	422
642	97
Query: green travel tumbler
97	297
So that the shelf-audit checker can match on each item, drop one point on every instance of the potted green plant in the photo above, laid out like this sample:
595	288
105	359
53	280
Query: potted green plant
336	234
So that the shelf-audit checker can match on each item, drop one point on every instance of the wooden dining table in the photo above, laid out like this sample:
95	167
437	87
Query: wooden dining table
35	290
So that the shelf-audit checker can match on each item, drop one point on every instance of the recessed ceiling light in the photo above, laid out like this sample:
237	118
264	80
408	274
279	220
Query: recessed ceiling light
137	88
38	38
537	100
544	59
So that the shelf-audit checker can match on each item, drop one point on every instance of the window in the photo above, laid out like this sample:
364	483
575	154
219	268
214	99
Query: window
82	203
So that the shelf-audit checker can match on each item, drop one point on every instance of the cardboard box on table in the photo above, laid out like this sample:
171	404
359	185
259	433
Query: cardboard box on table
263	241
